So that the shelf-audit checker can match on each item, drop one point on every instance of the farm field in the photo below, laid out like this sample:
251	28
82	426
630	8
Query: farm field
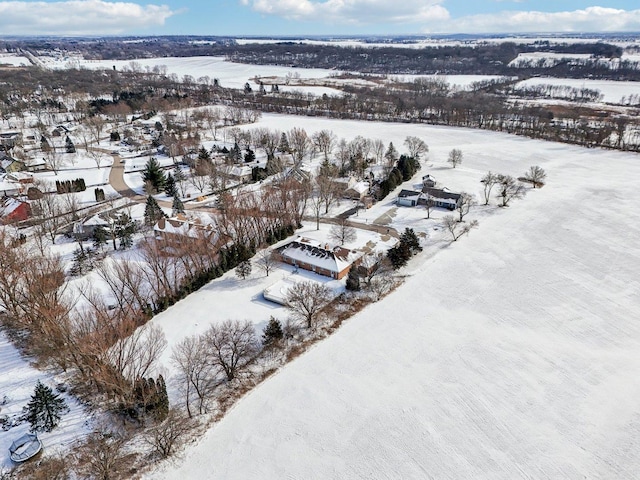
612	90
511	353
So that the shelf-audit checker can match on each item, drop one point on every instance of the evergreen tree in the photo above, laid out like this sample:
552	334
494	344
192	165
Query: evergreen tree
99	238
243	270
152	211
170	186
45	409
235	153
250	156
114	136
408	166
84	260
179	178
203	154
125	228
410	239
353	280
391	155
161	409
177	207
284	144
154	175
272	333
399	255
69	146
45	146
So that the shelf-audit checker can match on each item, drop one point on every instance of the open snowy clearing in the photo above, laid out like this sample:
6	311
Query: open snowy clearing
14	60
229	74
612	90
509	354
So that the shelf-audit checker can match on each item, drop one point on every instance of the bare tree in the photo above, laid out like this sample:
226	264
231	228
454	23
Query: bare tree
95	124
306	300
455	228
197	373
536	176
378	150
200	178
165	437
509	189
327	190
324	141
380	285
300	143
266	261
53	159
130	357
49	214
374	265
455	157
488	182
342	155
416	146
93	152
466	202
232	345
102	457
211	118
343	232
269	140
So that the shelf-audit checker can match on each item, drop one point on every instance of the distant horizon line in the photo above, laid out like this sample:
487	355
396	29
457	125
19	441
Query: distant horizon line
341	36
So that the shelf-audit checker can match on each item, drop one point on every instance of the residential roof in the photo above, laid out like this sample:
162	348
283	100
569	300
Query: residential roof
8	205
181	225
441	193
333	259
360	187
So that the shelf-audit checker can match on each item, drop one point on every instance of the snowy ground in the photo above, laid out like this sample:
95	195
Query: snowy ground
509	354
612	90
230	75
14	60
455	81
240	299
17	382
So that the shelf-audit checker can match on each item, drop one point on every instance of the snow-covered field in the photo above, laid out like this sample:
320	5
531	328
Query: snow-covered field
456	81
549	58
612	90
14	60
229	74
512	353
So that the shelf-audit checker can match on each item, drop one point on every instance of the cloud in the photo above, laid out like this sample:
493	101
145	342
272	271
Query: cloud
591	19
79	17
355	12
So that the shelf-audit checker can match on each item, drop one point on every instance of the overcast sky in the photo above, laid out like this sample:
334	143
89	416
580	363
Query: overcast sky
315	17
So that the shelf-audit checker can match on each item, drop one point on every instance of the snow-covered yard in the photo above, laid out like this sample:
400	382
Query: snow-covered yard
511	353
16	387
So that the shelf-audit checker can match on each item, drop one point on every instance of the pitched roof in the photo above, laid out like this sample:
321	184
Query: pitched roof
333	259
181	225
441	193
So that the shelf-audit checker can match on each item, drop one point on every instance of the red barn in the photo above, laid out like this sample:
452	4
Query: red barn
13	210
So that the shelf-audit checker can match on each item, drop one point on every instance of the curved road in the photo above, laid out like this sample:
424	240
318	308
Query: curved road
116	180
